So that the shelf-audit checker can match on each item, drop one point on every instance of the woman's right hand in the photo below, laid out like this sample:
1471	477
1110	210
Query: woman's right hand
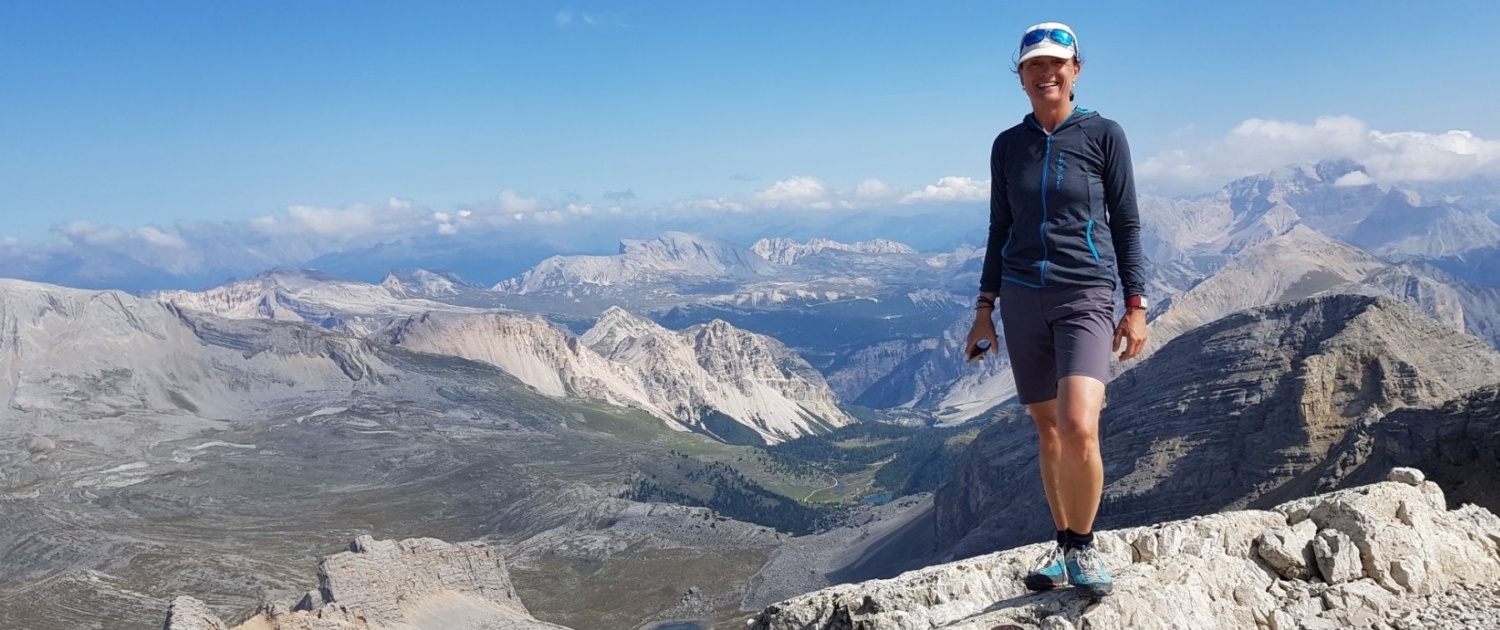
982	330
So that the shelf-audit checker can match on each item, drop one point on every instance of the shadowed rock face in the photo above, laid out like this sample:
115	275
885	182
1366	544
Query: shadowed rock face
1238	413
1350	559
414	584
1456	443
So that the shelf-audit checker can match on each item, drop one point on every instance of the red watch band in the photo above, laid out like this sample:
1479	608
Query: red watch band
1135	301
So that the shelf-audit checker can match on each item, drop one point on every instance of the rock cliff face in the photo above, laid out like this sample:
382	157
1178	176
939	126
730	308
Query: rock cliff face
1239	413
1292	265
689	378
1377	556
414	584
786	251
673	258
1456	443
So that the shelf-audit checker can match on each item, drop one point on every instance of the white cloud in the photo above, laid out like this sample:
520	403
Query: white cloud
549	217
464	214
442	217
874	191
395	217
447	228
1354	178
950	189
349	221
159	238
804	192
87	233
715	204
511	202
1257	146
810	193
568	18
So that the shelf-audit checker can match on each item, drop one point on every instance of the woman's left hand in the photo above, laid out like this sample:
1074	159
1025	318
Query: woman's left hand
1131	330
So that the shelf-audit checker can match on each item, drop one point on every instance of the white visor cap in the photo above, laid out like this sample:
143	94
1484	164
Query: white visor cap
1048	47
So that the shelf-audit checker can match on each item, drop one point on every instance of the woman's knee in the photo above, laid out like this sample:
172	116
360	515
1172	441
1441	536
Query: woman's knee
1078	433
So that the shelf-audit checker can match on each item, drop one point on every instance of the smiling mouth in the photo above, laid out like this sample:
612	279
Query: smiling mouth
1043	86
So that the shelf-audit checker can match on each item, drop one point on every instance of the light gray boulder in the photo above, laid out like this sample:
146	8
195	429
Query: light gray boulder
413	584
187	613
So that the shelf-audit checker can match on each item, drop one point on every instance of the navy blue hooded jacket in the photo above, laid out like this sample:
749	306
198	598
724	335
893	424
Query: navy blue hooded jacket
1062	207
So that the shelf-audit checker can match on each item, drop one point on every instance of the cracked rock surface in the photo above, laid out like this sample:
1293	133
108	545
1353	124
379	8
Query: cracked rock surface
1400	559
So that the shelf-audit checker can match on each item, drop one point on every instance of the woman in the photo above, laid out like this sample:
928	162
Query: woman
1062	219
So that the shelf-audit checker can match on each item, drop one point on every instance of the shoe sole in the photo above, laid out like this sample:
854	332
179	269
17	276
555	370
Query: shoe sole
1039	583
1095	591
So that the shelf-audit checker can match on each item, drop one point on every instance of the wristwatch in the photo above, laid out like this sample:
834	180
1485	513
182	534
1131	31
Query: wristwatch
1135	301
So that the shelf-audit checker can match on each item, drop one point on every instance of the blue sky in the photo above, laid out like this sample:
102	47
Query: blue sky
151	113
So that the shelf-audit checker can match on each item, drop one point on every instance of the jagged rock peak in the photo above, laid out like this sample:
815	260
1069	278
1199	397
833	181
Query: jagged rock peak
617	329
1300	176
786	251
413	584
1365	557
425	283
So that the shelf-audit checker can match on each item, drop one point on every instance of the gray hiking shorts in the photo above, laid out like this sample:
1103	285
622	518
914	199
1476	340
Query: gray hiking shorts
1053	332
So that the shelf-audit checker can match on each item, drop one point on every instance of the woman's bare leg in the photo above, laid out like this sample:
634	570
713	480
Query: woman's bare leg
1080	472
1045	416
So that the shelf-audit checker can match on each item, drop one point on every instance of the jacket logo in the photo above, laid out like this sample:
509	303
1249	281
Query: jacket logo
1059	169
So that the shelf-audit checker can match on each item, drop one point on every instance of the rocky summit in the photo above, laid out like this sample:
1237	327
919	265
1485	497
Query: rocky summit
1247	412
414	584
1390	555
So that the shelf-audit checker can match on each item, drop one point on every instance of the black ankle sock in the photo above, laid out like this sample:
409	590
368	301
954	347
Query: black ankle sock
1062	537
1075	540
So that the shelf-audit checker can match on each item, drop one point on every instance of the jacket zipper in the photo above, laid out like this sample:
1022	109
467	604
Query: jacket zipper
1046	160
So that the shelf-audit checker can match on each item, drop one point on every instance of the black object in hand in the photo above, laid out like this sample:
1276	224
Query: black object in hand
976	353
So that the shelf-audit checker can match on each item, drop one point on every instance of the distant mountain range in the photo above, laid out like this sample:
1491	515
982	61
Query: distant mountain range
1310	328
880	321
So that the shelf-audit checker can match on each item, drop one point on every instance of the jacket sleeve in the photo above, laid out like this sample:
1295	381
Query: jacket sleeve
1000	220
1124	215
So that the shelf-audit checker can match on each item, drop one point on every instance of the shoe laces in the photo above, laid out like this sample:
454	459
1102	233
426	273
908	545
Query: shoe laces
1051	557
1089	563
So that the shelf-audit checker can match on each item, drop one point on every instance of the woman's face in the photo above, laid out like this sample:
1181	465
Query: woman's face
1049	80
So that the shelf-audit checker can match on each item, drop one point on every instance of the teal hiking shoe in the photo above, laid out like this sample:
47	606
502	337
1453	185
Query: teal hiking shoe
1050	571
1086	571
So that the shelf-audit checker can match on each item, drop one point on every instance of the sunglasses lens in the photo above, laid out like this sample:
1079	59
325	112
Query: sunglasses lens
1033	38
1062	37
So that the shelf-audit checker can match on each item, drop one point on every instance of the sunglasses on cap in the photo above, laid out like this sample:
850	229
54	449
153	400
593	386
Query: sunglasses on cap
1058	35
